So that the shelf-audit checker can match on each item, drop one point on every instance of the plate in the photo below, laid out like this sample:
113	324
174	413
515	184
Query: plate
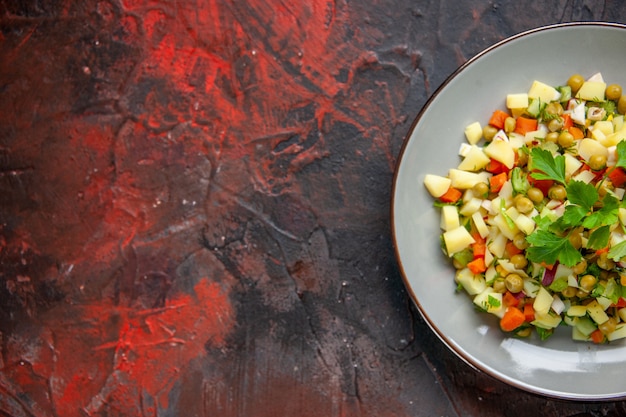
558	367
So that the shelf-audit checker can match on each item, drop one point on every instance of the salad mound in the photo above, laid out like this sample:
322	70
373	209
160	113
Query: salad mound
534	218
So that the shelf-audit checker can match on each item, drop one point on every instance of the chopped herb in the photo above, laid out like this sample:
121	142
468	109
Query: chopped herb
548	247
493	301
618	251
544	333
547	166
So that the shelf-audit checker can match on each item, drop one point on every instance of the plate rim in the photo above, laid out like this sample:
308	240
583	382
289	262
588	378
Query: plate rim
467	359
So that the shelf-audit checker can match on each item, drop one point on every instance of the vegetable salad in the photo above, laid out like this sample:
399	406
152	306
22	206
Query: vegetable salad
534	218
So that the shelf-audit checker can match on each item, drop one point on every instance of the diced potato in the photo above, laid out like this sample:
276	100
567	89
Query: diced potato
500	222
590	147
497	244
471	207
517	101
577	310
542	302
572	281
604	302
491	273
473	133
596	312
572	164
525	224
464	179
501	151
562	271
614	138
449	217
475	159
530	287
488	257
517	140
436	184
618	333
598	135
618	122
544	92
585	176
517	112
457	240
491	301
605	126
473	284
535	135
592	91
481	226
546	321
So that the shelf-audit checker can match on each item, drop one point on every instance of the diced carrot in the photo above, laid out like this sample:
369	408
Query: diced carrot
451	196
602	250
479	248
524	125
477	266
512	319
511	249
576	132
510	300
497	181
567	121
617	177
529	312
497	119
545	265
597	336
496	167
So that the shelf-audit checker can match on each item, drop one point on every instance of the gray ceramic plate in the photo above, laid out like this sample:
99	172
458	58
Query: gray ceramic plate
558	367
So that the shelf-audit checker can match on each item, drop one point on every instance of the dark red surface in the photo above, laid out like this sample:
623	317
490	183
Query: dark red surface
194	201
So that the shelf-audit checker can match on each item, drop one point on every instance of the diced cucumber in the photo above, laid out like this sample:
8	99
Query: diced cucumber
585	325
535	107
566	93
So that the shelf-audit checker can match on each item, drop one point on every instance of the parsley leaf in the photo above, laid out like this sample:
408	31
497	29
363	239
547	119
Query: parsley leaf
572	216
599	238
582	194
621	154
549	166
493	301
618	251
519	181
544	333
559	285
607	214
548	247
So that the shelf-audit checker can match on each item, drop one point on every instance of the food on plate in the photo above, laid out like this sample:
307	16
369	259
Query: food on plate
534	219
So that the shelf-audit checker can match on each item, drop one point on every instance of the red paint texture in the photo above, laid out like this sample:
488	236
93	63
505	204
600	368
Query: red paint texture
112	356
158	133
